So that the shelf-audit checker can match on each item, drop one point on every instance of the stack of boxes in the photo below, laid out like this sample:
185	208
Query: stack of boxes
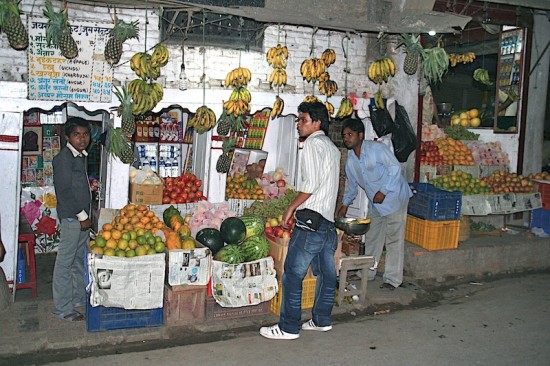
433	220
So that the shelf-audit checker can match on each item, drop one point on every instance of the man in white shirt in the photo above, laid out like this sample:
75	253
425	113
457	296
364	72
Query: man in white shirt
314	238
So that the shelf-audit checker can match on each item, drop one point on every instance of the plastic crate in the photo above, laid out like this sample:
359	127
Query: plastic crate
541	218
216	312
432	203
102	318
184	305
544	190
432	235
308	296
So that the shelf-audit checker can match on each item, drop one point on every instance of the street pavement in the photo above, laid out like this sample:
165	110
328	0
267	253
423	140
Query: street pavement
503	322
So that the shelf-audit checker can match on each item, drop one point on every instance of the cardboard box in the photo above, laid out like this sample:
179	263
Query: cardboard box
217	312
146	194
184	305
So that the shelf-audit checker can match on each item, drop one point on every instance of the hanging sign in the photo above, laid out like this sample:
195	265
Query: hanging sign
85	78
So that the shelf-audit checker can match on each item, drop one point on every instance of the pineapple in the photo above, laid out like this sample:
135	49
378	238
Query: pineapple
124	110
58	32
118	35
413	48
224	124
11	24
224	161
120	147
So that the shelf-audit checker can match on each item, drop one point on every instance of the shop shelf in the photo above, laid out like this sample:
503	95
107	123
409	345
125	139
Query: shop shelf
431	203
308	296
432	235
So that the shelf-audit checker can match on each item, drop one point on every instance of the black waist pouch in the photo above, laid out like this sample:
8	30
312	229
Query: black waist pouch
308	219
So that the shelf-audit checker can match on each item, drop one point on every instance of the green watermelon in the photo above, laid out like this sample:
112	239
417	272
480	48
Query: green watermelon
231	254
210	238
254	225
255	248
233	230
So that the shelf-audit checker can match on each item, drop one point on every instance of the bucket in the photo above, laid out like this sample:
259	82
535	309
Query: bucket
464	229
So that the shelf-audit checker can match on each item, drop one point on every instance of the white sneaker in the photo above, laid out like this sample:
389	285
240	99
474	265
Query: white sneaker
274	332
310	325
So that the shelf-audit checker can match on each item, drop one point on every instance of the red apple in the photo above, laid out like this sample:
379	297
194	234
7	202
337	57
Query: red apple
285	235
281	183
278	231
269	230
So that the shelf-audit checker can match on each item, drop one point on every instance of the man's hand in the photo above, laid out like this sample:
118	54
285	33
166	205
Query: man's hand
342	211
379	197
86	224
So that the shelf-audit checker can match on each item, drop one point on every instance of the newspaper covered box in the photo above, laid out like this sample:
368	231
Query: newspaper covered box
129	283
244	284
189	266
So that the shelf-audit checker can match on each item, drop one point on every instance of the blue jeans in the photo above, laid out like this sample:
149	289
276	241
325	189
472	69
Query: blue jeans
316	248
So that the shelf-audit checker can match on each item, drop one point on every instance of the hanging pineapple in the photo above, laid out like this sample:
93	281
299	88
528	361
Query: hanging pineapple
124	110
224	161
120	146
121	32
224	124
413	49
11	24
58	32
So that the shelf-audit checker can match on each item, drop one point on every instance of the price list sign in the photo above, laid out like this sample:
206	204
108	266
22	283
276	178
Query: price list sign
85	78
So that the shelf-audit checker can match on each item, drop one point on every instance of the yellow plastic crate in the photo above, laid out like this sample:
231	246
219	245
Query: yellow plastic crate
308	296
432	235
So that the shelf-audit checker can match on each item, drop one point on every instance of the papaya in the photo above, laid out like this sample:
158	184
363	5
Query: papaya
168	213
173	240
184	231
176	221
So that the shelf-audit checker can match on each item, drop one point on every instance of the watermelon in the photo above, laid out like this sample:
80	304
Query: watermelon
255	248
231	254
210	238
254	225
233	230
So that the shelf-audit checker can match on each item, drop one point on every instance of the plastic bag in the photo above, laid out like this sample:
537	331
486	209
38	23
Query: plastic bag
403	138
381	120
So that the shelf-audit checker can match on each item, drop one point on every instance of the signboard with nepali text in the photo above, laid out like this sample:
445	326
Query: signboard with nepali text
86	78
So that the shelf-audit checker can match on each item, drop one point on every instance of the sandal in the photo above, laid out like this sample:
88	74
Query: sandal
71	316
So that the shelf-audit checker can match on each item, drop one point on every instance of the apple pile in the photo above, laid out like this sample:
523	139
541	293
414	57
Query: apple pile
274	227
183	189
503	182
429	154
274	183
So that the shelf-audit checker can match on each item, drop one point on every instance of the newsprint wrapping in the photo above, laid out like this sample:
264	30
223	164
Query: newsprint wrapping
129	283
250	283
189	266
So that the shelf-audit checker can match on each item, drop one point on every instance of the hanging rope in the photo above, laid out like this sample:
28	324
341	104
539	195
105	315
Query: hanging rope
203	77
346	70
146	26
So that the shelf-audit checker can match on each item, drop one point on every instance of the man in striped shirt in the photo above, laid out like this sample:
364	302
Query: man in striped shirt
317	188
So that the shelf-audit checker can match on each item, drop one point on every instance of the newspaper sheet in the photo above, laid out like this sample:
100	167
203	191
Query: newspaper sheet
235	285
129	283
189	267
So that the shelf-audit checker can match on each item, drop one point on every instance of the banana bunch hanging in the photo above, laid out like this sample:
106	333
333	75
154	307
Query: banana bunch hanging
145	95
203	120
465	58
328	56
312	68
312	99
346	108
238	77
330	108
239	102
381	70
482	76
378	100
277	56
278	77
148	66
277	108
328	87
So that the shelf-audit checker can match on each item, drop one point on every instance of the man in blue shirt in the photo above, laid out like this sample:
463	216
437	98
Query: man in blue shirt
372	166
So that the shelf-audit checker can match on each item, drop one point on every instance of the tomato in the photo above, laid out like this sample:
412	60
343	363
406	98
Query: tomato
198	194
186	176
180	200
192	196
194	189
198	183
165	199
189	184
187	189
184	196
173	201
173	195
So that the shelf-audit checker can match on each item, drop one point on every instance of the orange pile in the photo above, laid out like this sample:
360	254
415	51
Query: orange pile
454	152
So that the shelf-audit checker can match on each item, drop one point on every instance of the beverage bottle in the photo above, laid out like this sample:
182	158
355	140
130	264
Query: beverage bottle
156	131
153	164
168	167
145	161
162	167
175	166
151	130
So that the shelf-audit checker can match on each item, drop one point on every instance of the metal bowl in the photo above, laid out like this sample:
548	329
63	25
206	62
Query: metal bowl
351	226
445	107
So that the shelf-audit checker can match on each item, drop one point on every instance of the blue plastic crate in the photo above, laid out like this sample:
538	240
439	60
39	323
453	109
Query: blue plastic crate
541	218
430	203
101	318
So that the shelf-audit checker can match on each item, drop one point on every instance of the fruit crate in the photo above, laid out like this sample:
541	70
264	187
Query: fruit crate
214	311
101	318
308	296
432	235
541	218
435	204
184	305
544	189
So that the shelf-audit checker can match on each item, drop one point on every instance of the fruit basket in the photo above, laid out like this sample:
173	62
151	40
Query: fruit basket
352	225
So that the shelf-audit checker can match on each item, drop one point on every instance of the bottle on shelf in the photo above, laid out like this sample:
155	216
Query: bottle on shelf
175	166
168	167
153	163
162	167
145	162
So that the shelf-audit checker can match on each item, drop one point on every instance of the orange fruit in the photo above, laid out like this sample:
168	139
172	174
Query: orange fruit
133	244
109	252
96	249
116	234
111	243
100	241
150	214
134	220
105	234
142	208
123	244
141	250
107	227
144	220
473	113
128	227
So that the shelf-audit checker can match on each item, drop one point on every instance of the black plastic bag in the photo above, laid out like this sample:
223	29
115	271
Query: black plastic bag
381	121
403	138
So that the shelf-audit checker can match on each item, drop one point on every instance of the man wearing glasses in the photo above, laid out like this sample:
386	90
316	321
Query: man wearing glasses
314	238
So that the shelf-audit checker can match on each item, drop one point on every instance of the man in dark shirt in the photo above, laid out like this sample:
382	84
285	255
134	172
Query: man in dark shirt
73	209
